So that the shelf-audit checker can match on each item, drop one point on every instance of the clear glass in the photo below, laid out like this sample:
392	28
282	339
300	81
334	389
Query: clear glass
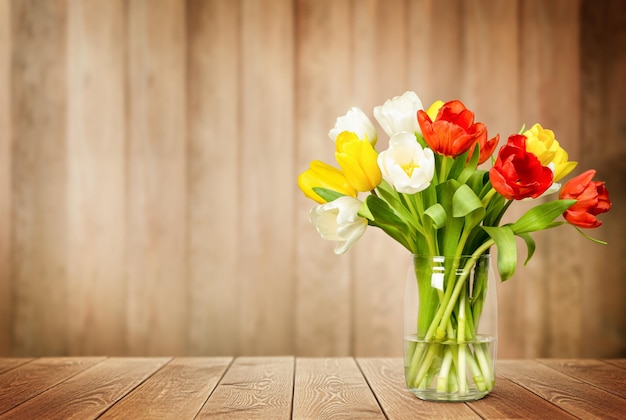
450	327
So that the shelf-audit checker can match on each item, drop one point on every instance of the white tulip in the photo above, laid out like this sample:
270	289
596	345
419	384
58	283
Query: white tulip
406	165
399	114
338	221
356	122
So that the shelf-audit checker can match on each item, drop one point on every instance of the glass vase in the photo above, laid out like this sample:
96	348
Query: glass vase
450	327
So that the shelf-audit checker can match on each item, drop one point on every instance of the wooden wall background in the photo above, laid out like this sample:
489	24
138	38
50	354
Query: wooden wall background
149	153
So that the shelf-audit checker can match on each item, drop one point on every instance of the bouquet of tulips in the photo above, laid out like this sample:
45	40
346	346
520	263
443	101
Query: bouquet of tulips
440	189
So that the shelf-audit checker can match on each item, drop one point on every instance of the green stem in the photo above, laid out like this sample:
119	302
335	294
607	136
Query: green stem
442	380
443	317
477	374
461	368
443	173
487	198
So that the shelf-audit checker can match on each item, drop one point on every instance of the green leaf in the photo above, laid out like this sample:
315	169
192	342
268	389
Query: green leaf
530	245
379	214
541	217
326	194
507	249
465	201
380	211
437	214
470	168
449	237
389	194
458	166
364	211
477	182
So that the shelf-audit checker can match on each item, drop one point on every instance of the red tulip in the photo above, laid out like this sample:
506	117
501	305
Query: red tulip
454	132
487	147
592	198
517	173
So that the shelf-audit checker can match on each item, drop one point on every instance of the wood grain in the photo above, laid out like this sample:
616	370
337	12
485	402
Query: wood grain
253	388
11	363
571	394
508	400
300	388
385	377
603	375
616	362
177	390
332	388
89	393
157	211
31	379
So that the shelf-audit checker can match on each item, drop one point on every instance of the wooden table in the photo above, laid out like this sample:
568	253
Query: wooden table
288	387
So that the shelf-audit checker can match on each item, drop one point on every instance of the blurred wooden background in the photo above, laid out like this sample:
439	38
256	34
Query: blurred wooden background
149	152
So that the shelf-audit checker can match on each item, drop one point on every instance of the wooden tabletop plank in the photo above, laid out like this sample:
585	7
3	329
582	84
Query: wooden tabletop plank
12	363
570	394
603	375
89	393
253	388
386	378
332	388
30	379
617	362
509	400
178	390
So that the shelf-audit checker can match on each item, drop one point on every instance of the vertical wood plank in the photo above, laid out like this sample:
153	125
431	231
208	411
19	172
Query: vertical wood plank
39	176
6	285
266	239
157	230
379	72
214	176
253	388
323	294
332	388
551	95
491	89
96	178
435	52
603	128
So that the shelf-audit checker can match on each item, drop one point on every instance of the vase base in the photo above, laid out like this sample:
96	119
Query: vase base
434	395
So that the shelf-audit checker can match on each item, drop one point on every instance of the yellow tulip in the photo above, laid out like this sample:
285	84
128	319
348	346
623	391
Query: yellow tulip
358	160
542	143
322	175
434	109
